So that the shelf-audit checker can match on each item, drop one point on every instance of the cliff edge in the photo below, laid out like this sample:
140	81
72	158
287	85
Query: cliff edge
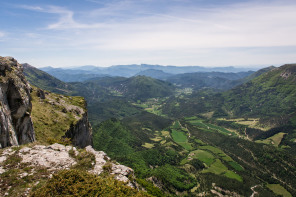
59	117
16	126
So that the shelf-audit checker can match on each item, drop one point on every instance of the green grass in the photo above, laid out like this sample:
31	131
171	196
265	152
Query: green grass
212	149
236	166
279	190
176	125
233	175
180	138
273	140
223	156
190	118
203	156
199	142
216	168
50	122
198	123
207	126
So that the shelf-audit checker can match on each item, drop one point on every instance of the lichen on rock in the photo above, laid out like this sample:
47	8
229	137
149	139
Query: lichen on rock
15	105
35	162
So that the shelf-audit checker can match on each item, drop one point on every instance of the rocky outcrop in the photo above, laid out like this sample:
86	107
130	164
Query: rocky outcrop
15	105
33	163
80	133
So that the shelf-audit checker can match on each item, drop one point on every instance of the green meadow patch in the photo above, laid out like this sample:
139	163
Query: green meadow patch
207	126
233	175
279	190
180	138
220	169
273	140
223	156
216	168
201	155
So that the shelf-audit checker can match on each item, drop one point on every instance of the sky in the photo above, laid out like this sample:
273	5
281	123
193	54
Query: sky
67	33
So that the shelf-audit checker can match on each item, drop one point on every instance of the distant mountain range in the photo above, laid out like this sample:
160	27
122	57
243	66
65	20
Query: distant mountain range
156	71
241	136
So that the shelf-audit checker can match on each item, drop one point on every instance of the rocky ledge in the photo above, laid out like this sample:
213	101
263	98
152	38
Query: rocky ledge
56	157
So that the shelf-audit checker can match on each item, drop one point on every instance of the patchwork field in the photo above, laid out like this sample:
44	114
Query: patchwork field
279	190
273	140
180	138
207	126
250	122
223	156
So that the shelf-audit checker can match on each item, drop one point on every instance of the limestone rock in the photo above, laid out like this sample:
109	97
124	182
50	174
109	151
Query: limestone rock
53	157
15	105
80	133
56	157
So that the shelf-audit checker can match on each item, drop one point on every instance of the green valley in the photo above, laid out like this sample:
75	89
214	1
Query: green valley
197	142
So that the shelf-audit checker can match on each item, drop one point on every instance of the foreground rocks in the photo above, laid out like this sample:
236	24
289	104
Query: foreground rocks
53	158
57	157
16	126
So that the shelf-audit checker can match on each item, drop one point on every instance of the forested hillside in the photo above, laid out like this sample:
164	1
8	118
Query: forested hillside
194	141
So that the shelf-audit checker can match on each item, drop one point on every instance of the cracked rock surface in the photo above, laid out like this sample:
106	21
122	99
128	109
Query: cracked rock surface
16	126
58	157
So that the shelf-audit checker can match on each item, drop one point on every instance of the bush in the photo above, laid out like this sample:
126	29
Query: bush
78	183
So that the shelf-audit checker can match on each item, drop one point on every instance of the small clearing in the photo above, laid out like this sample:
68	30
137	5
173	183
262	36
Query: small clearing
279	190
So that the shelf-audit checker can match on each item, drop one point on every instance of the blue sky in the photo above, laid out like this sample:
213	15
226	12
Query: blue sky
63	33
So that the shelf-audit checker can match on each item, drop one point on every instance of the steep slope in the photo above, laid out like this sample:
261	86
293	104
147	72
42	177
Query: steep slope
257	74
73	75
103	103
15	105
269	95
57	116
45	81
46	168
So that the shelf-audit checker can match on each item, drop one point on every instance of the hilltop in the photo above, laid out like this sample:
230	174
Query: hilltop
270	94
45	81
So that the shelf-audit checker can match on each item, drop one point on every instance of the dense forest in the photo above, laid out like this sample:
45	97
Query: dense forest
205	133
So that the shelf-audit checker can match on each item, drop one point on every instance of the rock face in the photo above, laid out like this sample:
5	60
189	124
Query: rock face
80	133
15	105
57	157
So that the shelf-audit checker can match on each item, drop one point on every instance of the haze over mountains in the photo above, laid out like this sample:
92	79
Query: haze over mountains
88	72
201	115
198	133
199	98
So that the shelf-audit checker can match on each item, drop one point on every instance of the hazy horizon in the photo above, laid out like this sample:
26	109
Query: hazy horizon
207	33
234	66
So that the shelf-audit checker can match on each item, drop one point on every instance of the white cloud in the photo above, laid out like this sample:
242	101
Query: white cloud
131	30
2	34
28	7
242	25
